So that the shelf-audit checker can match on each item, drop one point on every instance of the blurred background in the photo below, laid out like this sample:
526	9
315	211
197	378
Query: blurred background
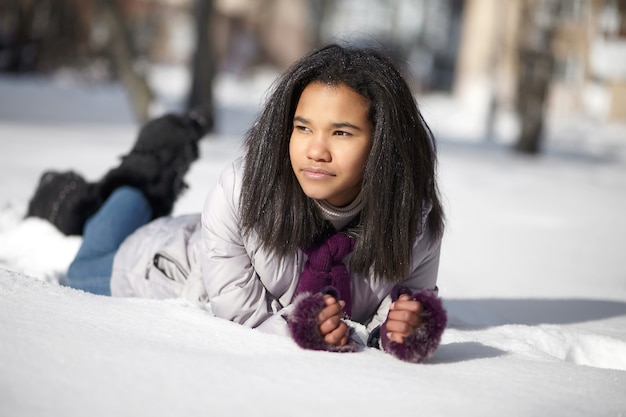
513	67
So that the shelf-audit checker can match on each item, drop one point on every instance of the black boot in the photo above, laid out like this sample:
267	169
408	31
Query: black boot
66	200
158	161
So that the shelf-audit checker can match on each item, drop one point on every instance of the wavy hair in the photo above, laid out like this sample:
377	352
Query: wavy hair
399	183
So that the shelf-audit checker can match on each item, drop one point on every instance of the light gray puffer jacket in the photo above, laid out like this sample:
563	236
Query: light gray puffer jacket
206	258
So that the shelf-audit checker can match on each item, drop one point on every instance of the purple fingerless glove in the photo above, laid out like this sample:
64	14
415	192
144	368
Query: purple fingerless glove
303	325
423	342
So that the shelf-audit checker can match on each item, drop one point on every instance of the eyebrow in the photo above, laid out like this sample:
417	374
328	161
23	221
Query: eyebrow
336	125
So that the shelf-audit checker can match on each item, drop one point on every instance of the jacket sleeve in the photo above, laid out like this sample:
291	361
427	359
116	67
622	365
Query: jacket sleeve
420	286
425	268
233	288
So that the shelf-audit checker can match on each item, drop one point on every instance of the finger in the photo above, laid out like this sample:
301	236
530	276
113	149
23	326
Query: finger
329	311
395	337
406	316
329	299
404	297
401	327
329	325
338	336
410	305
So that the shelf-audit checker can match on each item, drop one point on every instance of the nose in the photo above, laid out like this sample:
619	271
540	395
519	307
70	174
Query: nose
317	148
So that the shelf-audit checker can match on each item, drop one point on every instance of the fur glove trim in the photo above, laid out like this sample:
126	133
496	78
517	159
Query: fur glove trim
423	342
303	325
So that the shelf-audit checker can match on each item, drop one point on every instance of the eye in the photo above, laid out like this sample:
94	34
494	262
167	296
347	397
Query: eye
301	128
342	133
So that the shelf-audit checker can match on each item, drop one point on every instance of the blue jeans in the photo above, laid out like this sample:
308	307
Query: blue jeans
122	213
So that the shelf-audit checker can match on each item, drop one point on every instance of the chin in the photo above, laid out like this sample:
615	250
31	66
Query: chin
315	196
313	193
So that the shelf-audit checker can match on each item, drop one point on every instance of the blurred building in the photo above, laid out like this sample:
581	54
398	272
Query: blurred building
468	47
422	35
588	47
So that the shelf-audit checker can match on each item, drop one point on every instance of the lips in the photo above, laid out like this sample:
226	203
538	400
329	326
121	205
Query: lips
317	173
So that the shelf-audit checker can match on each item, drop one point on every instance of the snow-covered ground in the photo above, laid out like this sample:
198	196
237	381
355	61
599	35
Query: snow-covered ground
533	275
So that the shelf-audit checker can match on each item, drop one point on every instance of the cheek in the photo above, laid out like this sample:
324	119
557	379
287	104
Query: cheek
290	145
297	148
359	163
360	156
293	154
354	167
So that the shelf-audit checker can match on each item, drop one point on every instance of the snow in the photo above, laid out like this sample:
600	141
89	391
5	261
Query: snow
532	275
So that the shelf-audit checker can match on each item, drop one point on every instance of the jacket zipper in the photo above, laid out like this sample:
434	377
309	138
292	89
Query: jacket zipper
155	262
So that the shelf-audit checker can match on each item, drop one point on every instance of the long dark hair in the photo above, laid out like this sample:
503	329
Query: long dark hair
399	181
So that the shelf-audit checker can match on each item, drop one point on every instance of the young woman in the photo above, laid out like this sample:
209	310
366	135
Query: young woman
328	229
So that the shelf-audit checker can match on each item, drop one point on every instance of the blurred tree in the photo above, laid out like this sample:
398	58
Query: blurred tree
45	35
536	63
42	35
203	64
318	10
122	56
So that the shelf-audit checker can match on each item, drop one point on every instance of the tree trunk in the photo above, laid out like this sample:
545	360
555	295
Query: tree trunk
203	65
533	88
122	57
536	65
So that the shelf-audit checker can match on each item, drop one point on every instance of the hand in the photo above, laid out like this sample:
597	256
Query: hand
403	318
333	329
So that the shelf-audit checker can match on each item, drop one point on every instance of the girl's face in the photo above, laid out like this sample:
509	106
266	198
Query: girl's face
330	142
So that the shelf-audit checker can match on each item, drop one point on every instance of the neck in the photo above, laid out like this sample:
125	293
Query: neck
339	217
